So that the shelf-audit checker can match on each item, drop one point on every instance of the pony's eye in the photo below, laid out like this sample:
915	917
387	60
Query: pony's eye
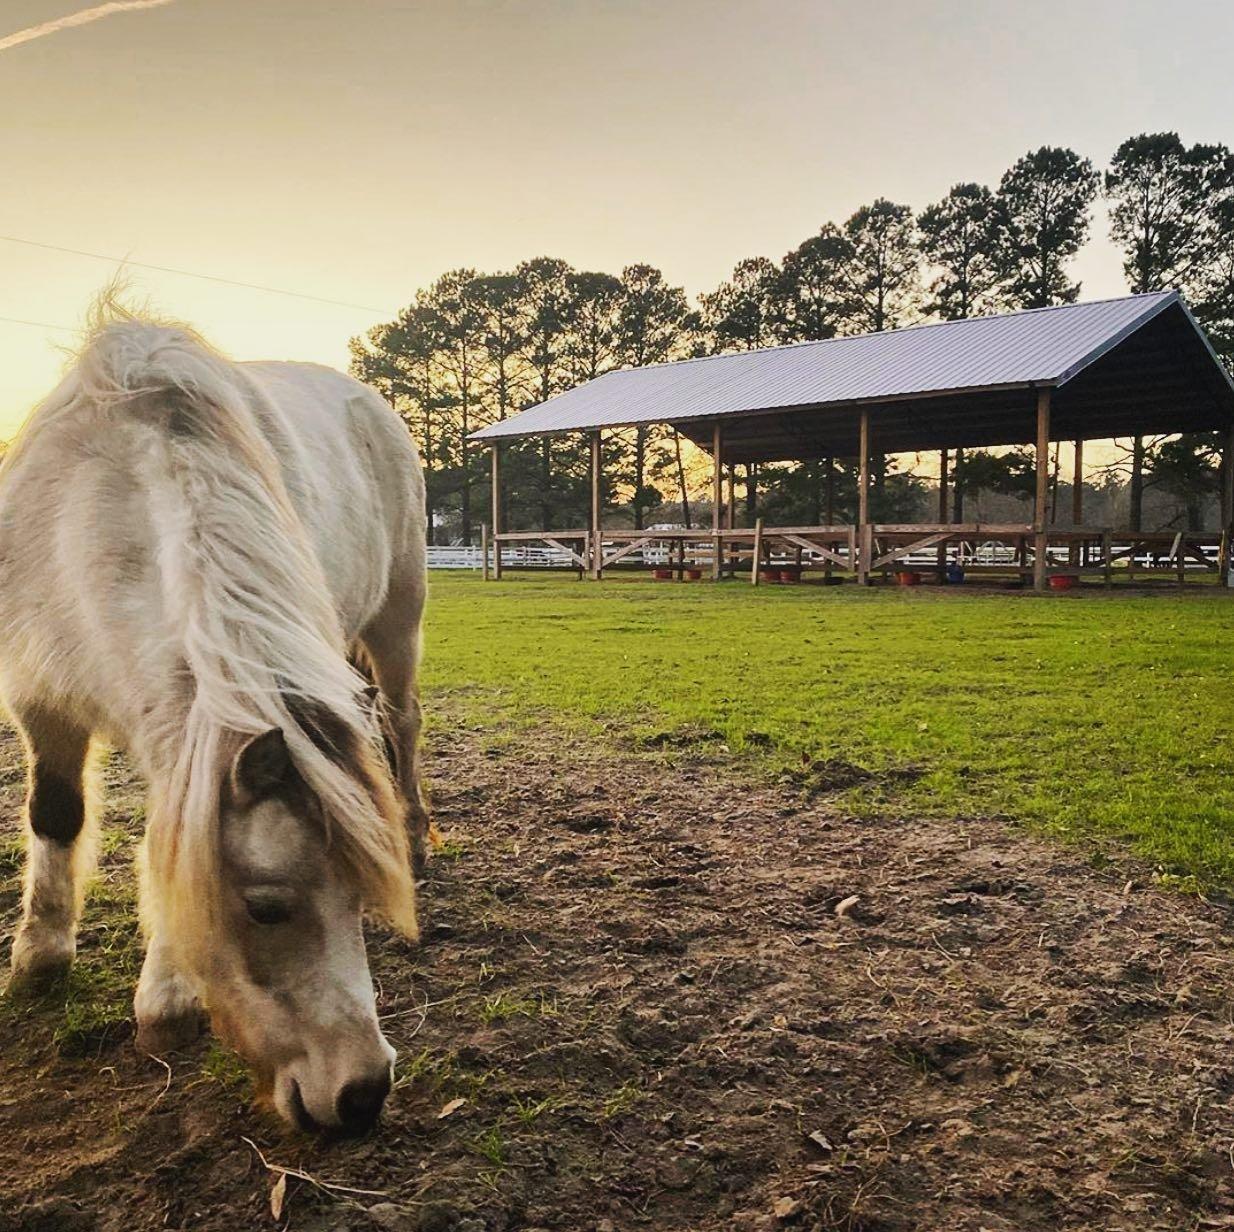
266	909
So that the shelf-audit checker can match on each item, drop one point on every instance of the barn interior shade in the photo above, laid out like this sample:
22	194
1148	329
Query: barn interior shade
1118	367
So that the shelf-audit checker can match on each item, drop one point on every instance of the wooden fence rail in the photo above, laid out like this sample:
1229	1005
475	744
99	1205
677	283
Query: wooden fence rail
864	552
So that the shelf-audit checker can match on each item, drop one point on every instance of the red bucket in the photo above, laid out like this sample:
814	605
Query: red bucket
790	575
769	575
694	574
662	575
907	577
1063	581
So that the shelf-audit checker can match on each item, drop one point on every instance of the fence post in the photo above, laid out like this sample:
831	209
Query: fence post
484	550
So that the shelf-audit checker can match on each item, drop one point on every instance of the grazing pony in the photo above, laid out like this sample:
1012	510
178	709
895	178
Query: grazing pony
190	551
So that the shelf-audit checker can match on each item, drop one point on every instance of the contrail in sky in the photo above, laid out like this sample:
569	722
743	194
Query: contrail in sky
77	19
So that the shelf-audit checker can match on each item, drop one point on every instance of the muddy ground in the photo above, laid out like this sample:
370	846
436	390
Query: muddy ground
635	978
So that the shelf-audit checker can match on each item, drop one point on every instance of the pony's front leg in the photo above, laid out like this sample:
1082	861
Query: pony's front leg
169	1016
391	641
59	848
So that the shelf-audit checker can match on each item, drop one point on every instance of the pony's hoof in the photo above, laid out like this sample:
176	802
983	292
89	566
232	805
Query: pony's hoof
420	852
419	862
40	959
161	1035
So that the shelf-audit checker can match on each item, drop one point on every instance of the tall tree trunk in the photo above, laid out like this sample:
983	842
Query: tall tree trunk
878	486
681	480
430	484
640	467
1136	511
546	478
465	490
957	488
1054	484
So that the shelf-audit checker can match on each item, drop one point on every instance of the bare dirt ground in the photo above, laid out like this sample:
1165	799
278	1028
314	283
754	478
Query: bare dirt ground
635	980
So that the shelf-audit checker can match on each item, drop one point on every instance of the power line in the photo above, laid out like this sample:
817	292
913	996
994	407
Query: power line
166	269
68	329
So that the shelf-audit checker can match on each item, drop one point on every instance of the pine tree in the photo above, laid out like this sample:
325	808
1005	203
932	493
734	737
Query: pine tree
961	238
1046	200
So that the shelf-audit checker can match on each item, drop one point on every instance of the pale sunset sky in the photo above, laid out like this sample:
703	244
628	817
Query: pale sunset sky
354	150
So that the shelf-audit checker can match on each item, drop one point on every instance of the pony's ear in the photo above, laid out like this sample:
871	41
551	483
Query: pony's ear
261	767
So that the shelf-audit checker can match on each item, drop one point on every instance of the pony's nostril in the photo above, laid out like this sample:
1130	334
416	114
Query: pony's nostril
359	1102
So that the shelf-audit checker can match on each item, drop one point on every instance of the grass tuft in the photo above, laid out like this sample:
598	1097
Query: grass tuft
227	1068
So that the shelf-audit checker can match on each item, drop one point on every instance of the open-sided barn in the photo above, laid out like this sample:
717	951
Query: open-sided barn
1132	366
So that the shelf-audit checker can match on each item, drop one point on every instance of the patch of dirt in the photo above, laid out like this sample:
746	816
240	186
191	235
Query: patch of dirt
661	1008
686	736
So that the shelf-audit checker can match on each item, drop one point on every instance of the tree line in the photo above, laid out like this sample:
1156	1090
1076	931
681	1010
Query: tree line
476	347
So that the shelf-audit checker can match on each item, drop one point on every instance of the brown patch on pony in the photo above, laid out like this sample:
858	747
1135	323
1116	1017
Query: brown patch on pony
331	735
57	808
349	749
339	741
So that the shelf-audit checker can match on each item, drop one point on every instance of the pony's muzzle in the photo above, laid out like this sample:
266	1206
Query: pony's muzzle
343	1097
360	1102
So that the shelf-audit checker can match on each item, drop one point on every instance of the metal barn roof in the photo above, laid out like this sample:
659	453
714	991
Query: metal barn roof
1121	366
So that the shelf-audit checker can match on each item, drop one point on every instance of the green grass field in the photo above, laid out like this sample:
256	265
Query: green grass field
1101	717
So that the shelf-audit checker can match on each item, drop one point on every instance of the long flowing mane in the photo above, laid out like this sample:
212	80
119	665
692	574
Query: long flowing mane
255	626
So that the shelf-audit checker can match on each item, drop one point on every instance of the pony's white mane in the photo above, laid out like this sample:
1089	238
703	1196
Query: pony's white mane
252	617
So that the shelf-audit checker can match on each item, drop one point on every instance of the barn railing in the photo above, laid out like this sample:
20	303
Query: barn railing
838	551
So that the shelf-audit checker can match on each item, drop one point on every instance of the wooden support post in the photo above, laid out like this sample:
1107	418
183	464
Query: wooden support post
730	516
496	473
1077	503
484	550
1077	487
756	566
1224	562
865	551
1107	552
717	499
1227	479
942	512
1041	504
863	499
597	540
829	504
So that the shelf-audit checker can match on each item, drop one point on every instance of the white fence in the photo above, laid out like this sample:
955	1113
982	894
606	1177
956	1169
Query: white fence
460	557
529	555
521	556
